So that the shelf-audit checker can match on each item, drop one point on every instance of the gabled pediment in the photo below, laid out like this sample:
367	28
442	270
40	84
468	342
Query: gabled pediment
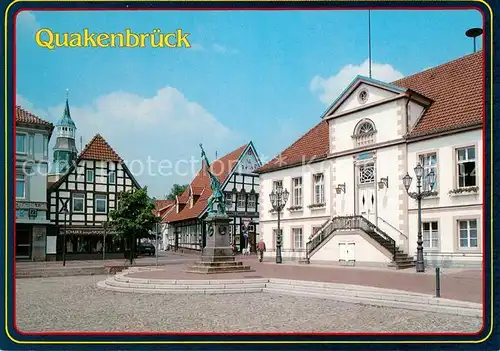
362	92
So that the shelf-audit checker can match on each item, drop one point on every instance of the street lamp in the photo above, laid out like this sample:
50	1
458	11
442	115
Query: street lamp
419	195
64	211
278	198
104	226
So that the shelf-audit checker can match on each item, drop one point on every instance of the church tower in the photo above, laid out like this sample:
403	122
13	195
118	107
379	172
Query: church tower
65	152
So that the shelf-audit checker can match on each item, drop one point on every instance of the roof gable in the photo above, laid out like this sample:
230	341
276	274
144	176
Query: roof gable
354	86
98	149
221	168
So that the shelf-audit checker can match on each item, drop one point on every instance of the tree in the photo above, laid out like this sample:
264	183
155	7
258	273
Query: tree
134	218
176	190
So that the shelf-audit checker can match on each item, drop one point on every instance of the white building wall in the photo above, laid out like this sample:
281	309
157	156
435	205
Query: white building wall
306	218
447	208
384	116
375	94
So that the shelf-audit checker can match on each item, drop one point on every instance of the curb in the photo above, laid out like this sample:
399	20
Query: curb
357	294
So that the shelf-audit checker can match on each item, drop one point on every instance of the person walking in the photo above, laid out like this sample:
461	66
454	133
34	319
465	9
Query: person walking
261	248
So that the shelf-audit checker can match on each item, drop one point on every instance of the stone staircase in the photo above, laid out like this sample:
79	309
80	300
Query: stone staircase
340	292
400	260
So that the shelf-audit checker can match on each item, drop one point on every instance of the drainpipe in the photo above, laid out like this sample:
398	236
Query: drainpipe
407	245
406	112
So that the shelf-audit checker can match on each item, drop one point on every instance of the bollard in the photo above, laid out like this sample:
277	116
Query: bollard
438	283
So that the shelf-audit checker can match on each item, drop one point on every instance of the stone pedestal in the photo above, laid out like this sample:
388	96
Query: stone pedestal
217	256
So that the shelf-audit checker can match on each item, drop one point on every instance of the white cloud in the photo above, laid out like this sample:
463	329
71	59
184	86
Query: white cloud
166	126
329	88
221	49
26	20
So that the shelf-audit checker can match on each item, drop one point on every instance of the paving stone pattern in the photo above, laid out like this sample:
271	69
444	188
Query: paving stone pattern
76	304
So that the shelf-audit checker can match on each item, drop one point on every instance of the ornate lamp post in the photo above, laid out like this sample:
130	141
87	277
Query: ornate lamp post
278	198
419	195
105	227
65	212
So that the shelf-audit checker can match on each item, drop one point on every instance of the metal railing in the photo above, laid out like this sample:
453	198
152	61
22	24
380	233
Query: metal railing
347	223
393	227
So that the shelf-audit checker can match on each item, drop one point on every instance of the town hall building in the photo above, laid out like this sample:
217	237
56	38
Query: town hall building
348	203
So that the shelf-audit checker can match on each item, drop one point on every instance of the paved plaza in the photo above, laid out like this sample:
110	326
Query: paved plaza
77	304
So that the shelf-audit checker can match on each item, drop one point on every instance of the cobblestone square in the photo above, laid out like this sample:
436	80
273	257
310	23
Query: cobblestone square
77	304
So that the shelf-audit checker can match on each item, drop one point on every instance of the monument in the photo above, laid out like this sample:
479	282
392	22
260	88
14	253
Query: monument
217	255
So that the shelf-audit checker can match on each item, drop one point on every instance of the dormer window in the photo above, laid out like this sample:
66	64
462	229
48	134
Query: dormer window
364	133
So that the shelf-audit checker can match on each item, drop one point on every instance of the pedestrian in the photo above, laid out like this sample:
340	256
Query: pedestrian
261	248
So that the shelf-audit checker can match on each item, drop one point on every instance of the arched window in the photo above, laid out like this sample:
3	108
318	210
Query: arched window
364	126
364	133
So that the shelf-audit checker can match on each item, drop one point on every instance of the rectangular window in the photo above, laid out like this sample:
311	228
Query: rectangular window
430	234
297	192
298	238
100	203
78	203
38	148
467	230
90	176
466	167
21	143
319	188
20	186
277	184
229	200
111	178
429	162
241	200
45	146
252	199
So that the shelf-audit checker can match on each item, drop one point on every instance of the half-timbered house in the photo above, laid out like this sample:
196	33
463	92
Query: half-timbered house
80	201
184	224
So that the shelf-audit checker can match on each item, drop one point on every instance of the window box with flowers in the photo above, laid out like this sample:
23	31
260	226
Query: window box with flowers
316	206
469	190
295	208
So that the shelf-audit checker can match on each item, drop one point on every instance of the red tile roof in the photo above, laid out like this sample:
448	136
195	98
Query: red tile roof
162	205
455	87
310	147
99	149
221	168
26	117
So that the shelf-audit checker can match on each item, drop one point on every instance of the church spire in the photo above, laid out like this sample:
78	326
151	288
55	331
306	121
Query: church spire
65	151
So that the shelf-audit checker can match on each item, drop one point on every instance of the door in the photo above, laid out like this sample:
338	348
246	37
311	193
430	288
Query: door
350	252
23	242
367	202
342	252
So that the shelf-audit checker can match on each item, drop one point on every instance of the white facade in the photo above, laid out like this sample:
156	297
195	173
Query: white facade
368	155
306	191
31	191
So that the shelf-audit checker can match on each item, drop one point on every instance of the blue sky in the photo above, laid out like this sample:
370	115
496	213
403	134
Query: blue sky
251	75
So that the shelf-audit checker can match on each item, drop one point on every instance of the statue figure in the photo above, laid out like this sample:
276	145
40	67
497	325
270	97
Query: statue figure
217	196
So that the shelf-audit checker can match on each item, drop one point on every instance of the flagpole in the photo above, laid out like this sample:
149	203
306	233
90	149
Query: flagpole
369	46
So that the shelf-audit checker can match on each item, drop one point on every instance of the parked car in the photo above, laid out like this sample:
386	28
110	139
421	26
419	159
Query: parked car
147	249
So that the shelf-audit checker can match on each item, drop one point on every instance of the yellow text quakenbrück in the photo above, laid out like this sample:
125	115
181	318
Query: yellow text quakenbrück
49	39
